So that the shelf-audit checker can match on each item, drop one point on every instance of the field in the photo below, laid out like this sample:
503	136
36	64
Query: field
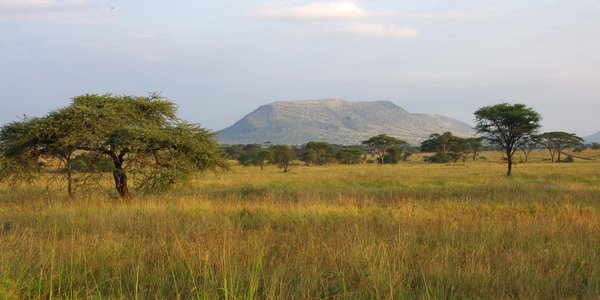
411	230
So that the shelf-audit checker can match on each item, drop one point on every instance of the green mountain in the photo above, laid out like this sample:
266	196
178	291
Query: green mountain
336	121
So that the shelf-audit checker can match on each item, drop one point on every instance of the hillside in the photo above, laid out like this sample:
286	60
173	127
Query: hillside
335	121
594	138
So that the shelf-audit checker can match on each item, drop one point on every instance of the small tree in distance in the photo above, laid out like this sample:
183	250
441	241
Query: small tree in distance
529	145
283	155
381	143
557	141
508	126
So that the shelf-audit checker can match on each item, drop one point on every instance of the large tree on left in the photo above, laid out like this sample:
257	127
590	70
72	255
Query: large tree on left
142	136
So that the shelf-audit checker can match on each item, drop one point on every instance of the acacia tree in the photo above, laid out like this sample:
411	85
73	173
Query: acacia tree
450	147
283	155
557	141
529	145
140	135
319	153
381	143
475	146
350	155
508	126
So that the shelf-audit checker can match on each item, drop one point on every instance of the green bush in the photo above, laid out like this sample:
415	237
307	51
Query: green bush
90	162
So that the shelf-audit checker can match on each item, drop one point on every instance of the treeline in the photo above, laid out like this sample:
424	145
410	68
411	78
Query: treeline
312	153
385	149
382	148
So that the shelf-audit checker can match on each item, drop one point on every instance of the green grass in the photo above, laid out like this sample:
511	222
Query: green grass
406	231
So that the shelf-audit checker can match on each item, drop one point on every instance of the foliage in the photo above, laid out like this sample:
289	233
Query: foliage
319	153
396	154
283	155
141	135
449	147
529	144
91	162
438	157
258	157
350	155
557	141
380	143
508	126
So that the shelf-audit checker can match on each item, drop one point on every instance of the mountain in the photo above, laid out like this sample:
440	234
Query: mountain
335	121
594	138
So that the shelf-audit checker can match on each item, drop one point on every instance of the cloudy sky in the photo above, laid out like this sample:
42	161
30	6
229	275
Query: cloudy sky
220	59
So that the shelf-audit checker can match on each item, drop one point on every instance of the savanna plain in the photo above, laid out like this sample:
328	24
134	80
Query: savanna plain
406	231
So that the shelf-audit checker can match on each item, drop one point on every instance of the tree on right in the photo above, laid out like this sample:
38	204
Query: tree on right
507	126
557	141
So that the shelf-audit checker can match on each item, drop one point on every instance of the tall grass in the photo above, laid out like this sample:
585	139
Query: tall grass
405	231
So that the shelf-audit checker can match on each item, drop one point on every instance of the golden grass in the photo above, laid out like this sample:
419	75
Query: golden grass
367	231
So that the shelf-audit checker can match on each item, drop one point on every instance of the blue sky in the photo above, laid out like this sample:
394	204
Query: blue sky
219	60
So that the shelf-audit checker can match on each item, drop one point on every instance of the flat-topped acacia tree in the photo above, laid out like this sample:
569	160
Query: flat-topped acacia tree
557	141
140	135
381	143
508	126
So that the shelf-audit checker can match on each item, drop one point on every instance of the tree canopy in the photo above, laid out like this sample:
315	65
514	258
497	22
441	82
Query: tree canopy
142	136
283	156
381	143
508	126
557	141
449	147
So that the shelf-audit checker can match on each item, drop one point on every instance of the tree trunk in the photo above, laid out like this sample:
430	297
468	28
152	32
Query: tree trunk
558	157
121	183
69	182
119	175
69	171
510	163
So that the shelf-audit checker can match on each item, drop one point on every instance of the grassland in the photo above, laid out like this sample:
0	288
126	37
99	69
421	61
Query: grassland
367	231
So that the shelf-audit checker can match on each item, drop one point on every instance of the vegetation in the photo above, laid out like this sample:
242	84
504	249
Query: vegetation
411	231
381	143
140	135
530	143
557	141
451	148
408	231
507	126
283	156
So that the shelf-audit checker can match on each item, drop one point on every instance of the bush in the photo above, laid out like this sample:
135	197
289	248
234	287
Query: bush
569	159
90	162
438	158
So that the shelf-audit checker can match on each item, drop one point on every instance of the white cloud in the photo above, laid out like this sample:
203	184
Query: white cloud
66	11
29	6
382	31
331	11
447	15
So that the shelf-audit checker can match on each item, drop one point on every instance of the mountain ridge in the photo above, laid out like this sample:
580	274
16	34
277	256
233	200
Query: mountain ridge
336	121
594	138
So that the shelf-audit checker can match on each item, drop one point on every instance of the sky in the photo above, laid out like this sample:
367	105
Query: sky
218	60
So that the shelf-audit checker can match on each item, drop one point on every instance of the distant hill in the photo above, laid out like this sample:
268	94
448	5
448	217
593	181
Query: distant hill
594	138
336	121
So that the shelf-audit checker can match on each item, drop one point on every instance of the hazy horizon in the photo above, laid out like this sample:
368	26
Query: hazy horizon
218	60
